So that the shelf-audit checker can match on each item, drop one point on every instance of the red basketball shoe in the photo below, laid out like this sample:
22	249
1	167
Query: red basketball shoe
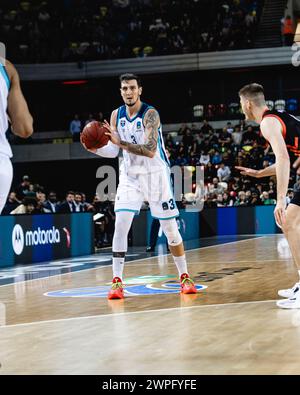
117	290
187	284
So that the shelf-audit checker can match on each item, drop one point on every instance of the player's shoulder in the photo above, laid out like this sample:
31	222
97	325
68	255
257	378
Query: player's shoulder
148	107
115	112
271	120
113	117
149	110
272	126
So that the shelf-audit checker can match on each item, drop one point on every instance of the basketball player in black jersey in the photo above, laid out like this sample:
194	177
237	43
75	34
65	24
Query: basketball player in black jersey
282	131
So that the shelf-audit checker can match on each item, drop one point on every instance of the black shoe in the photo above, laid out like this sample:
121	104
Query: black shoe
150	249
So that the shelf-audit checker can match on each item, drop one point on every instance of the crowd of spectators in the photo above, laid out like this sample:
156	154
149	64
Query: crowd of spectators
78	30
218	151
29	198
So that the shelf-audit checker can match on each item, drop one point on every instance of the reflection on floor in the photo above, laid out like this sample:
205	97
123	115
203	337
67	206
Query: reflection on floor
60	321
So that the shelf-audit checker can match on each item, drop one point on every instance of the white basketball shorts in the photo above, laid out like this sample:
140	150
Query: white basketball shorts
154	188
6	175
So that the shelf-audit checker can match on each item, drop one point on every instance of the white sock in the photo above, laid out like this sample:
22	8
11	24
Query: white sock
180	262
118	266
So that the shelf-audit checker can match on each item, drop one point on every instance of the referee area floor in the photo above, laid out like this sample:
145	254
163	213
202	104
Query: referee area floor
55	317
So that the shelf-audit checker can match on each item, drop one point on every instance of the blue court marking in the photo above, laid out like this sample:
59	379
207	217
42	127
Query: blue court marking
131	290
21	273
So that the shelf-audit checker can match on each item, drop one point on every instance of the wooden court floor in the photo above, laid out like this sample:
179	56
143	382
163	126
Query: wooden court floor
231	327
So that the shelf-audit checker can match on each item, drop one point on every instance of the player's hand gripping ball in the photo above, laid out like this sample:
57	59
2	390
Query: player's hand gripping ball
93	135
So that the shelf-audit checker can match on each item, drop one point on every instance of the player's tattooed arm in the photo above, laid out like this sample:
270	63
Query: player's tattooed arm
151	123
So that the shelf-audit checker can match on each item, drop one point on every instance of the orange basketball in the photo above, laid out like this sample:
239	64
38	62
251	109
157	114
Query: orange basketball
93	135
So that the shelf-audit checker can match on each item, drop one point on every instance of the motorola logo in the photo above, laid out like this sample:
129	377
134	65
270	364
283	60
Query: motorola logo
18	239
38	237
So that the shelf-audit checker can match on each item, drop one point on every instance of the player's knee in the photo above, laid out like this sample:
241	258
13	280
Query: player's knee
171	232
123	222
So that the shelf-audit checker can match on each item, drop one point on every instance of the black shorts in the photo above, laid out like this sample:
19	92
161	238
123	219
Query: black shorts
296	199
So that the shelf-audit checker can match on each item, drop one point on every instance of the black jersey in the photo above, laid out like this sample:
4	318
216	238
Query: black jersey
290	131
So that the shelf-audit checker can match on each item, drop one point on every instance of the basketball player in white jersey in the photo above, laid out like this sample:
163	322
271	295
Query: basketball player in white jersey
144	175
13	108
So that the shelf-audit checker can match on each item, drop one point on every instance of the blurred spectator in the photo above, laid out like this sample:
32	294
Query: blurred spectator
272	190
28	206
182	129
254	199
75	128
297	185
78	203
288	30
86	206
290	196
206	128
51	203
210	172
100	117
11	204
204	159
187	141
215	188
220	200
229	200
90	119
249	136
68	205
241	200
216	158
223	173
237	136
23	189
265	198
229	128
225	138
41	199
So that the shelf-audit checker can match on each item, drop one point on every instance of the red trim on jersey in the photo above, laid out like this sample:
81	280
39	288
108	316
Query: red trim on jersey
280	120
267	110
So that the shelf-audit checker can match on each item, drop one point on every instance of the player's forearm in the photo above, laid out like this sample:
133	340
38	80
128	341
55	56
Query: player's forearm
283	176
147	150
267	172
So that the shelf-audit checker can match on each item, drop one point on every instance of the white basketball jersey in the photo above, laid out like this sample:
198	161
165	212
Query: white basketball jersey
133	131
4	90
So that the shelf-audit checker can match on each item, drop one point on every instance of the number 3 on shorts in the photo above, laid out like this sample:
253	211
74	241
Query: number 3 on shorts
172	204
169	206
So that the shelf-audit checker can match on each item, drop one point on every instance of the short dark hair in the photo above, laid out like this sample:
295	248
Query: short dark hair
70	193
40	189
254	92
29	200
130	76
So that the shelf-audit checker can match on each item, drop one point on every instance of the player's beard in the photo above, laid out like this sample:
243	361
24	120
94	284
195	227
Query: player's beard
131	104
